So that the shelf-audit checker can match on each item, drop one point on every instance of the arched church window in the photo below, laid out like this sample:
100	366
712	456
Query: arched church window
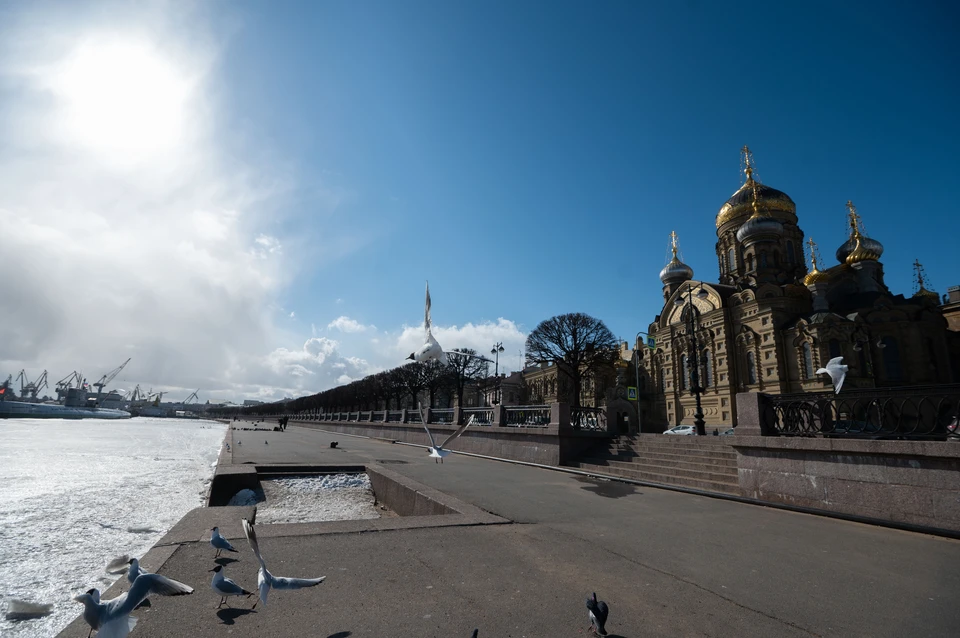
790	257
663	379
763	259
749	263
891	359
684	373
808	360
835	349
707	372
731	260
751	368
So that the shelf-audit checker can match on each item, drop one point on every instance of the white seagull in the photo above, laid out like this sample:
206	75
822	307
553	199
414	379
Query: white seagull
267	581
437	452
219	543
837	372
111	618
125	564
430	350
226	587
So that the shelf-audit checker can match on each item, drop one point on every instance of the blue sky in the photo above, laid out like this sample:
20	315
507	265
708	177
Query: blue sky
529	159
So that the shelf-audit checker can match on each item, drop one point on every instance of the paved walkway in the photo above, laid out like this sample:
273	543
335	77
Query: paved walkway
667	563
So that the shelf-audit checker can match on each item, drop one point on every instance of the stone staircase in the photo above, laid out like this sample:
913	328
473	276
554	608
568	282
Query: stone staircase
700	462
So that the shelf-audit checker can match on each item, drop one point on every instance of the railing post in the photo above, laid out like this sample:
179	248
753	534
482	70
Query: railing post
754	415
428	415
560	415
499	416
457	416
403	415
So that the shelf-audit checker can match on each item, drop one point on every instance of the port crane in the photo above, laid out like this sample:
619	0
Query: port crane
136	395
107	378
193	397
30	389
67	382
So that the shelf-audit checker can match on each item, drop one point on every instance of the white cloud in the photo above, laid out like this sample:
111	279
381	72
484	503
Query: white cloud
131	229
346	324
293	315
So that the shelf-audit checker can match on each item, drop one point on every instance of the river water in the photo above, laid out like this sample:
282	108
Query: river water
78	493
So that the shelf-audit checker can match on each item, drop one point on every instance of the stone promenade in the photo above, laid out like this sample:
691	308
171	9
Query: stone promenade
667	563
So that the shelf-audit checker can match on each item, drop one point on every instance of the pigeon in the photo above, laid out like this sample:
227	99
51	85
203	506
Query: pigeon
430	350
267	581
476	632
111	618
437	452
219	542
226	587
598	615
837	372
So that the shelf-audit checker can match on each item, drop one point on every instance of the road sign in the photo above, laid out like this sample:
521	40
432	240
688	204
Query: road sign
651	342
631	393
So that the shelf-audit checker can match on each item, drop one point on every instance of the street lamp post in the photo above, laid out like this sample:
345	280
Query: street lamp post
695	373
496	350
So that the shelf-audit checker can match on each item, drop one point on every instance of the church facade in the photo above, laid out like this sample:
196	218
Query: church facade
769	322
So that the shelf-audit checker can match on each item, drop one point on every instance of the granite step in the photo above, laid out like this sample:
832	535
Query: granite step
688	470
728	486
668	458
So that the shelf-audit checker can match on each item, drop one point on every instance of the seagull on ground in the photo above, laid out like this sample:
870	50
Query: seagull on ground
267	581
598	615
430	350
125	564
437	452
111	618
219	542
837	372
226	587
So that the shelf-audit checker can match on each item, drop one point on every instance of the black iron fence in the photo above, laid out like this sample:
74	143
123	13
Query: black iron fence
920	412
594	419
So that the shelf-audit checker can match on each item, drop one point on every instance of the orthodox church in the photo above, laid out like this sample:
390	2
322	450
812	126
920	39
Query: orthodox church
770	322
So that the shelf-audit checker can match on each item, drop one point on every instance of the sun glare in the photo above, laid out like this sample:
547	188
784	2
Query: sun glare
122	98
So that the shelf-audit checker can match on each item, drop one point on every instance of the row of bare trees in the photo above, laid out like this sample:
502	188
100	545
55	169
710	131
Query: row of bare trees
394	389
579	345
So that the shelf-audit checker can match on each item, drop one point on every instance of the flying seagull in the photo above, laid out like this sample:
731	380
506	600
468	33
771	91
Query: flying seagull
226	587
219	542
111	618
125	564
430	350
598	614
837	372
439	451
267	581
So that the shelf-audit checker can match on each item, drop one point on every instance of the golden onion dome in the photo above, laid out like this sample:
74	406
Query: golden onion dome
740	203
862	251
815	277
923	293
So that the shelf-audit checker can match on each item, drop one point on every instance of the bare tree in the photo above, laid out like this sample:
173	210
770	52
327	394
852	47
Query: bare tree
464	369
414	378
576	343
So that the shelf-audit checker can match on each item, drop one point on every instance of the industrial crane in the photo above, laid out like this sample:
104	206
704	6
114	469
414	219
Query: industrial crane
30	389
193	396
67	382
136	395
107	378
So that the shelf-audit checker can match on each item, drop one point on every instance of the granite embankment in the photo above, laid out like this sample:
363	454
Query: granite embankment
529	546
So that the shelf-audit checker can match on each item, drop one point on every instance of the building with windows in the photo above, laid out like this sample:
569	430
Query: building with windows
769	322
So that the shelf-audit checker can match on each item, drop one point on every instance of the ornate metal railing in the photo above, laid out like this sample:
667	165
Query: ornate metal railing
527	416
395	416
413	416
591	419
441	415
481	416
922	412
377	417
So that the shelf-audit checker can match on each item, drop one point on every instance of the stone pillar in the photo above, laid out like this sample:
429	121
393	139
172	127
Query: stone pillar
499	416
560	415
754	414
428	414
458	415
403	415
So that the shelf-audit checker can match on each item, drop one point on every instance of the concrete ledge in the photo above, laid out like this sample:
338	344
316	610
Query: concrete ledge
197	523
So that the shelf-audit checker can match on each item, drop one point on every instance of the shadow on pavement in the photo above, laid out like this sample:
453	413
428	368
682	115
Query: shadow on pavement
340	634
228	616
607	489
223	561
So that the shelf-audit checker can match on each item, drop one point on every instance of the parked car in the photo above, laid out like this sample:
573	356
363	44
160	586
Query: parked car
682	429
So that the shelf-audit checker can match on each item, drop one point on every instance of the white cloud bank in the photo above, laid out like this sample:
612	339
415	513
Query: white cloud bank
346	324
